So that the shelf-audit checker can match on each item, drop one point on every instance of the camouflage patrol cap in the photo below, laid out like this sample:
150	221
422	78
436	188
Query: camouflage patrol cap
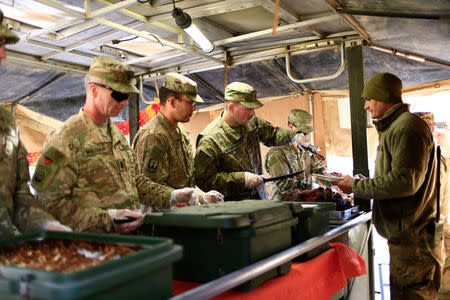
384	87
427	117
118	76
183	85
302	120
242	93
7	34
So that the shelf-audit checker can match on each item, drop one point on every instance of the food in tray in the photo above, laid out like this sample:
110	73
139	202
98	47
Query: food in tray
318	195
329	178
61	255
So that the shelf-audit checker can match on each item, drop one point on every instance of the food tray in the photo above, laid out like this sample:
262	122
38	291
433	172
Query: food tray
344	214
146	273
328	178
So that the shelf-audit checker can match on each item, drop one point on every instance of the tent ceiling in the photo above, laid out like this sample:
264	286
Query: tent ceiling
60	37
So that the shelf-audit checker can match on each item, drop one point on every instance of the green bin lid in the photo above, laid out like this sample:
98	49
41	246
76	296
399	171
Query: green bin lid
311	207
230	214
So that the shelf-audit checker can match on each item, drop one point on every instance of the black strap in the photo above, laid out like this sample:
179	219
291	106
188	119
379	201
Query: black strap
438	185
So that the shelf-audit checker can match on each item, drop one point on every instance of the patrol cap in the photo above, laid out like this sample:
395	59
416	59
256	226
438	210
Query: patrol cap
118	76
384	87
427	117
183	85
242	93
302	120
9	36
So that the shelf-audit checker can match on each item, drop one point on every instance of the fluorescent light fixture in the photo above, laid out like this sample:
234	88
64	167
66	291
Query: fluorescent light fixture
184	21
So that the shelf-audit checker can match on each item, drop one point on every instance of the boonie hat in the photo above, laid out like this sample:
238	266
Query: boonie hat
302	120
242	93
384	87
9	36
118	76
183	85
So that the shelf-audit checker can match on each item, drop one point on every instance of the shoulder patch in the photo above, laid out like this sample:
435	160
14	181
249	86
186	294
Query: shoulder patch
46	169
152	166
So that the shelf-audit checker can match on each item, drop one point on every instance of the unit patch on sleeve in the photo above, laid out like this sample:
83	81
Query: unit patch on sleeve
46	169
152	166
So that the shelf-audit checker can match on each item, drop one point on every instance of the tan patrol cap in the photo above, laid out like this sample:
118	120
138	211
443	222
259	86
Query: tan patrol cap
118	76
301	119
183	85
9	36
242	93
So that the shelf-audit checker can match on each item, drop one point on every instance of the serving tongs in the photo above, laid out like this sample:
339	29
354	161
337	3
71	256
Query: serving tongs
283	176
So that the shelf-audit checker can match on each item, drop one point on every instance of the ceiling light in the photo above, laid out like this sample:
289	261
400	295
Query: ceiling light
184	21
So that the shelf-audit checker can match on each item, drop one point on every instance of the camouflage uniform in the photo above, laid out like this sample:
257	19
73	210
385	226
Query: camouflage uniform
163	152
289	159
18	208
82	173
224	153
404	194
444	292
17	205
87	168
293	158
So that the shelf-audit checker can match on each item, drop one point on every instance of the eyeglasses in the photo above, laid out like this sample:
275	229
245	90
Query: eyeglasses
192	103
118	96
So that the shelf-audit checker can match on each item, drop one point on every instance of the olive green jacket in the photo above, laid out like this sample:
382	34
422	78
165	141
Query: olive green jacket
81	174
287	159
403	187
224	153
164	154
18	208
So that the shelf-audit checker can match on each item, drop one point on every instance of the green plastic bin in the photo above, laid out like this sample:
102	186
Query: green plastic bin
224	237
313	220
146	273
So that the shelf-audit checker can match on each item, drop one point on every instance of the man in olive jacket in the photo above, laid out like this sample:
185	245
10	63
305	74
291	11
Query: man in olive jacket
403	191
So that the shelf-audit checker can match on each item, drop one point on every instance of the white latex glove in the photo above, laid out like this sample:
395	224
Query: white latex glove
55	226
252	180
213	196
301	139
185	195
126	227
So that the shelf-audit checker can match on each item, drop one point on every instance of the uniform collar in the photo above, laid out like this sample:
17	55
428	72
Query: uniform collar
95	132
173	132
234	133
391	115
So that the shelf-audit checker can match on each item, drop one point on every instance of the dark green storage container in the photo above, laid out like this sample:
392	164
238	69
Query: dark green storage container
313	220
223	237
146	273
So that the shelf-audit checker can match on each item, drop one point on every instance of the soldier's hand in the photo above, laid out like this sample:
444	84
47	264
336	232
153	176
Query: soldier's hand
213	196
55	226
302	140
126	221
345	184
185	195
252	180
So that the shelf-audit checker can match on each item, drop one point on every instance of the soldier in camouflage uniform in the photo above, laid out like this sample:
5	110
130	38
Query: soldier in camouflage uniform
228	156
87	174
291	158
444	292
162	146
403	190
19	211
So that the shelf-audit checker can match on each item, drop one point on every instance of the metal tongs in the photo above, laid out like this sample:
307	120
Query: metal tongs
283	176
